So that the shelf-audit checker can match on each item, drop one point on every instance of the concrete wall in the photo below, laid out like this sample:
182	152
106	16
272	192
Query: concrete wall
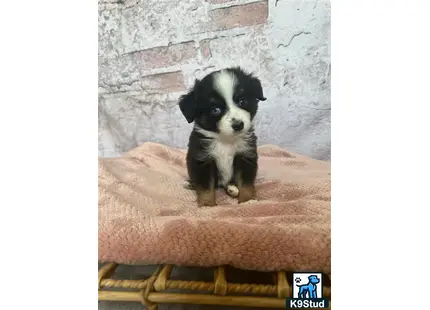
150	52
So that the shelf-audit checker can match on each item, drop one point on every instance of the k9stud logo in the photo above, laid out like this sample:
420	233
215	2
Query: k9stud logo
307	291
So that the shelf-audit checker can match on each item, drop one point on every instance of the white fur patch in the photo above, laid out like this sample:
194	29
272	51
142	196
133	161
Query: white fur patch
249	202
232	190
224	83
223	150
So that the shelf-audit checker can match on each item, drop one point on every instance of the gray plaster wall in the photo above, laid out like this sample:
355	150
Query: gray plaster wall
151	51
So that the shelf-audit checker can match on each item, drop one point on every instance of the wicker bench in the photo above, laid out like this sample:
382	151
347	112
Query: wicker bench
152	290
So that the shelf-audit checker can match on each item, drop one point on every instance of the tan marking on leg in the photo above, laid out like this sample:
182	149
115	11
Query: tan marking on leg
246	192
206	198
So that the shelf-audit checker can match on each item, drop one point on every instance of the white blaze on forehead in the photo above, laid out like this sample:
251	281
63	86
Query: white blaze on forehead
225	83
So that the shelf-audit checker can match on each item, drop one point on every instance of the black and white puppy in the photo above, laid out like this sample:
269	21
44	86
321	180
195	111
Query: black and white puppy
222	150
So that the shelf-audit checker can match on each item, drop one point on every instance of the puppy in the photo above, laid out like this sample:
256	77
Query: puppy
222	149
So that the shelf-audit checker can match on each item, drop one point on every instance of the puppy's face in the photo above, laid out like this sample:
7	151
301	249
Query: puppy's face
224	102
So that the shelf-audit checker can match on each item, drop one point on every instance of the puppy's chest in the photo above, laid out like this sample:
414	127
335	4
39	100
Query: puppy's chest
223	153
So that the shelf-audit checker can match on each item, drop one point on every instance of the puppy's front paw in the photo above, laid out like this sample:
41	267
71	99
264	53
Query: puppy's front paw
249	202
188	185
246	193
206	198
210	204
232	190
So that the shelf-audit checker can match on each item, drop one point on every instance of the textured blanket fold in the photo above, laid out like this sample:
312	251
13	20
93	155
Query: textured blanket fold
146	216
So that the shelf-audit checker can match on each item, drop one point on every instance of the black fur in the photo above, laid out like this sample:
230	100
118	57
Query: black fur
247	165
201	172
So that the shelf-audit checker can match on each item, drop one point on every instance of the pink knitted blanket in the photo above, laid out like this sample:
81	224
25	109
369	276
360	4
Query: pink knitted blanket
146	216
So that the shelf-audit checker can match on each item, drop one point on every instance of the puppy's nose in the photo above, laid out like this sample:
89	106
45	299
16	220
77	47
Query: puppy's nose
237	125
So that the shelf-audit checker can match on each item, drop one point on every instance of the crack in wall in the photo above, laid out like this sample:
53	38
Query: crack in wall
293	37
316	3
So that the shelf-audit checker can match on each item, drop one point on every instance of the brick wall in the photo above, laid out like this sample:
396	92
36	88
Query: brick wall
150	52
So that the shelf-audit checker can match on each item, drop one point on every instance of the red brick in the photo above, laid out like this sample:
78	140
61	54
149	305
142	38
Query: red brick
239	16
164	82
218	1
165	56
205	48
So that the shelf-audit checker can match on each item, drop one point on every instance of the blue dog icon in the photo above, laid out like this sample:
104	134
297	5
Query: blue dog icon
309	290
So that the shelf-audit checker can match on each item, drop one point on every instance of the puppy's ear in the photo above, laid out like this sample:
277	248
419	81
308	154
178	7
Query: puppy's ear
257	89
187	103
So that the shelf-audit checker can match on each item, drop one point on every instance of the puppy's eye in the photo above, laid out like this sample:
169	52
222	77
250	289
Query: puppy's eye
216	111
242	102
